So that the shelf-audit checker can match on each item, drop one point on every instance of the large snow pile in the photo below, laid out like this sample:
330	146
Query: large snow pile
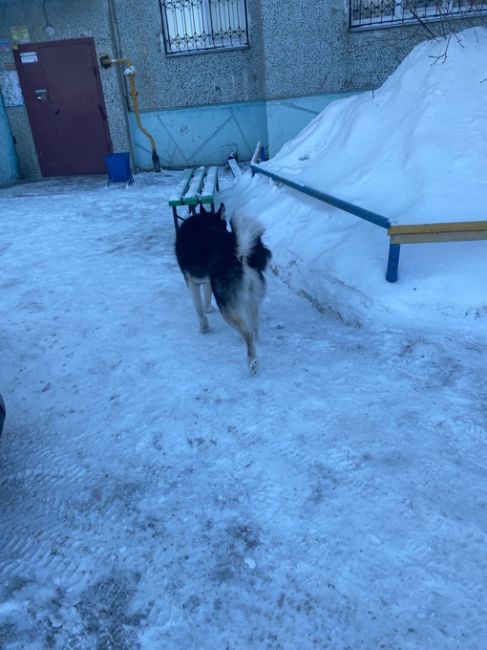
414	151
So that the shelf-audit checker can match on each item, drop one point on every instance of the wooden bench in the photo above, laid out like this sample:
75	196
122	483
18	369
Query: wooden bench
197	187
430	233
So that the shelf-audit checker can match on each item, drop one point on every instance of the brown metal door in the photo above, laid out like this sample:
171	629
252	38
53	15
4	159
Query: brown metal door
64	101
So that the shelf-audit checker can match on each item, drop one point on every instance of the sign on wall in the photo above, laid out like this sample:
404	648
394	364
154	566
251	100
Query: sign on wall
20	34
28	57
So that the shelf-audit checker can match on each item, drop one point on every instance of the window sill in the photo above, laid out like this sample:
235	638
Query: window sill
207	50
387	24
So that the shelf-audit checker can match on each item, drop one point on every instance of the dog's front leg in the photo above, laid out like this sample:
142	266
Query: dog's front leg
254	316
194	288
207	296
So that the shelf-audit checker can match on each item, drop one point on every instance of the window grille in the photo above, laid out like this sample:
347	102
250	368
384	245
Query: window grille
194	25
382	13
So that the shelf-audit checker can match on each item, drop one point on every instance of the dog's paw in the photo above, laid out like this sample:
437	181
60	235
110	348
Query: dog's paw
253	367
210	309
204	327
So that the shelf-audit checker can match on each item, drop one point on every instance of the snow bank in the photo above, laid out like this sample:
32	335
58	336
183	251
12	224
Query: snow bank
414	151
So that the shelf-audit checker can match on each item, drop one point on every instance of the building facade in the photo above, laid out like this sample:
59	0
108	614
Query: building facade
211	76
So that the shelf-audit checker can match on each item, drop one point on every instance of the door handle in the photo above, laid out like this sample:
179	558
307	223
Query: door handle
41	95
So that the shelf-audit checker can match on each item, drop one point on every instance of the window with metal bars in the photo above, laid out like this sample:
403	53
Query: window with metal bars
199	25
383	13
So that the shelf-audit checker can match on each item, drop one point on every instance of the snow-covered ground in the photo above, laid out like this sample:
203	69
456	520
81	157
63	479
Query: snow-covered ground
154	496
413	151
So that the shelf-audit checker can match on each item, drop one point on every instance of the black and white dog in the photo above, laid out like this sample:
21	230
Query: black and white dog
229	264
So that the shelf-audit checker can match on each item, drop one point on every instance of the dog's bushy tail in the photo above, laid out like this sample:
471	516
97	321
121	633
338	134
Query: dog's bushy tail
248	232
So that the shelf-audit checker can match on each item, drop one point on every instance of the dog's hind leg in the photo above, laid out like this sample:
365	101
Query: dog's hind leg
254	315
207	296
247	334
256	291
194	289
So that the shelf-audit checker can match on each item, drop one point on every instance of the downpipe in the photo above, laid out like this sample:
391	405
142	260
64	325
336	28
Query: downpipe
130	73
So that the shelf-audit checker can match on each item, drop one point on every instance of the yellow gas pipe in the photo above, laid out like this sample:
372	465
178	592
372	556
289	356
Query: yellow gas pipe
129	72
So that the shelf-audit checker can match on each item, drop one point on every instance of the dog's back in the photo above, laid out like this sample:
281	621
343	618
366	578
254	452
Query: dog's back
196	240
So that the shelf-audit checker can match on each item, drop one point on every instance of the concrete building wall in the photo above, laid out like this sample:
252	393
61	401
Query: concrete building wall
296	49
187	137
301	56
193	79
58	20
310	50
8	158
28	164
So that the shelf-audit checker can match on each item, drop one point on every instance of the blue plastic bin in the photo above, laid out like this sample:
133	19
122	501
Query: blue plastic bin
118	167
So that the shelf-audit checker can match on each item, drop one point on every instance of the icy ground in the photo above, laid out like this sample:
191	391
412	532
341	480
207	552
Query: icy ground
153	495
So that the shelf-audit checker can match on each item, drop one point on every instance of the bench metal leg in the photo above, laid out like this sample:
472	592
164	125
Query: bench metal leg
393	262
176	218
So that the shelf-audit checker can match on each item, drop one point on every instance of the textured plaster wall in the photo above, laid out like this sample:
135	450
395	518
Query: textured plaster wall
8	159
301	54
181	81
70	19
297	48
309	48
28	162
302	51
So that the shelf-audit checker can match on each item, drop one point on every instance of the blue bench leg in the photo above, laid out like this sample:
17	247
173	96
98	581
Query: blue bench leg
393	263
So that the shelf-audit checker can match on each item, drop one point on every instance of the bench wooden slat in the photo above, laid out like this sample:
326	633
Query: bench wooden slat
431	237
197	187
438	232
430	233
191	196
234	168
181	189
209	186
451	226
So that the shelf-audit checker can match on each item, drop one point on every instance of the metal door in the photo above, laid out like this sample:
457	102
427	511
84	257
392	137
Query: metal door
64	100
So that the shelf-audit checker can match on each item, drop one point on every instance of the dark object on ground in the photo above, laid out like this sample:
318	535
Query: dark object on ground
2	414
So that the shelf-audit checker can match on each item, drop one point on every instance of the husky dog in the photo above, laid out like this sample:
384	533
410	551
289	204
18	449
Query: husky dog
229	264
